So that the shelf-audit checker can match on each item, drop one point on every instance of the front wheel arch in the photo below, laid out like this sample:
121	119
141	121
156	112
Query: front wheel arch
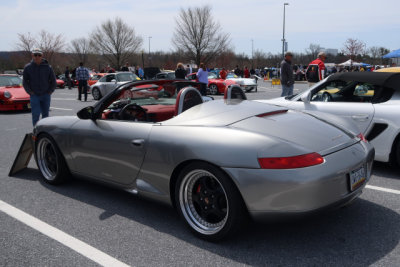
67	172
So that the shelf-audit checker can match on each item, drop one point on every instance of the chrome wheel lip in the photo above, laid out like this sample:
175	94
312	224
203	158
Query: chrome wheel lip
47	173
187	207
213	89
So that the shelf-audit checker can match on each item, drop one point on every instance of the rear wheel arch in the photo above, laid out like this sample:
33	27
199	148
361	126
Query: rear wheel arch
178	169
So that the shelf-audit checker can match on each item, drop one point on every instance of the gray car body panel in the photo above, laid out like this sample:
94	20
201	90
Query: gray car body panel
223	133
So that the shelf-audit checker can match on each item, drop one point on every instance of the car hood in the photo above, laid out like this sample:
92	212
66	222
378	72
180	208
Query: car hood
17	92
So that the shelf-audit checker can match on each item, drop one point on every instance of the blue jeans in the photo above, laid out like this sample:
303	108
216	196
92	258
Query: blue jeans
82	87
40	104
287	90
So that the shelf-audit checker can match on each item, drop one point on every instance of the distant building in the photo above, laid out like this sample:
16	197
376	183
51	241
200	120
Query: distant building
331	51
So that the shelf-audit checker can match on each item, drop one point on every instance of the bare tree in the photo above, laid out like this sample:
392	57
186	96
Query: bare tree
353	47
116	41
80	48
26	44
50	44
313	50
199	35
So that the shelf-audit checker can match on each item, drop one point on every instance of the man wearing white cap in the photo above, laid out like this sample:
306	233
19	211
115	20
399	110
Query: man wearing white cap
39	82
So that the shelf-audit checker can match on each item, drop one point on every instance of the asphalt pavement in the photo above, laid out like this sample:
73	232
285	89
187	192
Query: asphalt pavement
86	224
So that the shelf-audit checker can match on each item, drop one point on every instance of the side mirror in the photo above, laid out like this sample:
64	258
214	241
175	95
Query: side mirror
114	81
306	97
86	113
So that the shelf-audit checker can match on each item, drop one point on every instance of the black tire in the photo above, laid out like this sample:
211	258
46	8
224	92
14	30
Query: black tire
209	202
396	159
214	89
50	161
96	93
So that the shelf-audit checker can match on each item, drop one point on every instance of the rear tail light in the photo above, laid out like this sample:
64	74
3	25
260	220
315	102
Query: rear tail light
294	162
362	138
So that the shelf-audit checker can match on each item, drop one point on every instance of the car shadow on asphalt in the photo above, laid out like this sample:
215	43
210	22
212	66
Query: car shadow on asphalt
357	235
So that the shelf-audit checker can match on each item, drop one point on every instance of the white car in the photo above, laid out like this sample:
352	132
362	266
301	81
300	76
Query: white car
111	81
247	84
371	100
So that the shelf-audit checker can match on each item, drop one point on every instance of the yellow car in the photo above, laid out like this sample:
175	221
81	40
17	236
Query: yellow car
392	69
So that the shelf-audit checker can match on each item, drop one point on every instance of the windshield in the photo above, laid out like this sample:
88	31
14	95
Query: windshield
212	75
126	77
10	80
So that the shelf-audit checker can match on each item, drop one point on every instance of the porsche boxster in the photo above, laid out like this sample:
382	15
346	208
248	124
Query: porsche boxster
217	162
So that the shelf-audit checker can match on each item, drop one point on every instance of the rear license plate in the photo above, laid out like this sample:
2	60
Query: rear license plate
357	178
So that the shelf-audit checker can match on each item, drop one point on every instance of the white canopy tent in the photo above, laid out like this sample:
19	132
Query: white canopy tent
350	63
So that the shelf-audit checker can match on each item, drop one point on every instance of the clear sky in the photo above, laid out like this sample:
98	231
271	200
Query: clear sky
327	23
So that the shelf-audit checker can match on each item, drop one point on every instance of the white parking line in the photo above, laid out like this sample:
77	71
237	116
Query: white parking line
383	189
61	108
54	98
58	235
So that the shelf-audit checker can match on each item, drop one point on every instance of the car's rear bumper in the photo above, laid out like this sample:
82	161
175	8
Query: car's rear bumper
268	193
15	105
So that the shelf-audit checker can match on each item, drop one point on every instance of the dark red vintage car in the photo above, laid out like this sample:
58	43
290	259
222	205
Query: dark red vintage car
12	94
215	85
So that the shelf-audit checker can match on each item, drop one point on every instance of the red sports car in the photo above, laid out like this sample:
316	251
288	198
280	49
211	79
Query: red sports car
215	85
12	94
60	83
95	77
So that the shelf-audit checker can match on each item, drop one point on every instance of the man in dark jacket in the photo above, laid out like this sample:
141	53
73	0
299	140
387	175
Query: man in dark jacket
39	82
287	79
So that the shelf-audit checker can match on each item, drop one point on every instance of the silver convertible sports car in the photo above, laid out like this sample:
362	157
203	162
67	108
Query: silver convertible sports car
369	99
217	162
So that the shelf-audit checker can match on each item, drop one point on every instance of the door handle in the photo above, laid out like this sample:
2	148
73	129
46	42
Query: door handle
138	142
360	117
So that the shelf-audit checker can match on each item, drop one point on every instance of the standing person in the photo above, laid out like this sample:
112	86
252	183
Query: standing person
82	75
237	71
223	73
126	67
246	72
202	77
188	69
141	73
67	77
287	80
316	69
180	72
39	82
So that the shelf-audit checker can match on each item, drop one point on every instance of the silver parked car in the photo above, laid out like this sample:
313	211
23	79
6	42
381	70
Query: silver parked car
111	81
370	100
247	84
217	162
